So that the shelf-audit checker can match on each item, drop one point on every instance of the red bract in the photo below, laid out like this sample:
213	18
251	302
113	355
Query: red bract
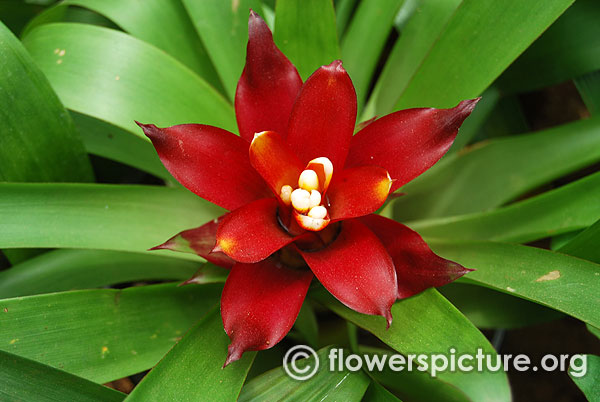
302	191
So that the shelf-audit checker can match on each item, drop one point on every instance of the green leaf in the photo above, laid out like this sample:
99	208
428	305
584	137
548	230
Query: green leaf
225	41
325	385
16	14
26	380
116	78
102	335
569	48
585	244
561	282
413	385
560	240
468	39
594	330
406	12
61	270
193	369
489	309
306	324
376	393
589	88
475	47
39	140
114	143
492	173
361	52
588	383
176	35
306	33
571	207
476	120
427	323
98	216
343	13
418	36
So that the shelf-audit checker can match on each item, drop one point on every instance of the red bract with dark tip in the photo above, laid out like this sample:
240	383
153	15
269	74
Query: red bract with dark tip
301	191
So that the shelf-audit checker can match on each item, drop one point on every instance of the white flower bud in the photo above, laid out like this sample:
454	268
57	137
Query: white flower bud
286	194
300	200
315	198
308	180
318	212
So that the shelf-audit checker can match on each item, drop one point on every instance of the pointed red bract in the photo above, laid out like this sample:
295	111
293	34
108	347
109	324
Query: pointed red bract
357	270
268	86
417	267
252	232
358	192
274	161
210	162
323	117
259	305
200	241
408	142
365	261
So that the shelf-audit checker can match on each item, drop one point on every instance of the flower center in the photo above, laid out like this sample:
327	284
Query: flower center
308	199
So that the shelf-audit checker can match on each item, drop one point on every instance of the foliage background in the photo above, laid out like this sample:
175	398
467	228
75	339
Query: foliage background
81	196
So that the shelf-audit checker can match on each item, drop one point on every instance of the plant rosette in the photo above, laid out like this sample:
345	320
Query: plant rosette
302	191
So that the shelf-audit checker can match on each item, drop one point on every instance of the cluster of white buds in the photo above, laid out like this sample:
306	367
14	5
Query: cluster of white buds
307	199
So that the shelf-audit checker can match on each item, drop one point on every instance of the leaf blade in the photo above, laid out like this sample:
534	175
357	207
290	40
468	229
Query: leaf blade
568	208
64	269
495	172
546	277
109	217
102	335
127	70
176	376
225	42
324	385
426	323
308	46
24	379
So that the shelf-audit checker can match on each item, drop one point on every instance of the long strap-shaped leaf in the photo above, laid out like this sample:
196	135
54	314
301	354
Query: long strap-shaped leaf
102	335
564	283
111	217
223	28
568	208
588	383
490	309
588	86
361	51
493	173
193	369
39	141
164	24
111	142
428	322
585	244
413	385
117	78
324	385
61	270
568	48
453	50
27	380
305	32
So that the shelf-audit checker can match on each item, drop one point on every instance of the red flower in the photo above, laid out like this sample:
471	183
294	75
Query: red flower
302	191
